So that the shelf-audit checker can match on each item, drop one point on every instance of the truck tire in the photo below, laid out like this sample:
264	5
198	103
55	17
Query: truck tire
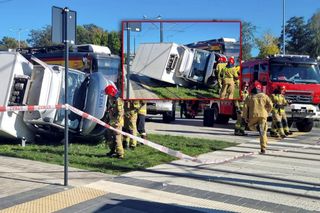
168	117
290	122
220	118
173	113
208	117
304	125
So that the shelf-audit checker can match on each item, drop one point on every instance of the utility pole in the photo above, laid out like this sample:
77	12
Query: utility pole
161	28
159	17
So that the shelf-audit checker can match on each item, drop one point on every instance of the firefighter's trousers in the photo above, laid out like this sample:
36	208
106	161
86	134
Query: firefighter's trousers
130	125
260	124
227	89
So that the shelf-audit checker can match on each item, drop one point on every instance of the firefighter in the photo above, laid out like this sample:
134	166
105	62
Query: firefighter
256	109
115	118
229	75
279	127
240	124
131	108
142	119
220	66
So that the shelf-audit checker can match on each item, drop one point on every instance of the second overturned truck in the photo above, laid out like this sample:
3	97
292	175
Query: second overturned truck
175	64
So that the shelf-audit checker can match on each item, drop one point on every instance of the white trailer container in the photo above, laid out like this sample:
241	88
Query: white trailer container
175	64
15	71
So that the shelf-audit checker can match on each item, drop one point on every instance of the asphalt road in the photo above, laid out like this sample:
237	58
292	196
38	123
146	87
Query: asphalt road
194	128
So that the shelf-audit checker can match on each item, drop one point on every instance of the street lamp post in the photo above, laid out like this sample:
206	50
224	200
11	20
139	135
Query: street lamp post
19	30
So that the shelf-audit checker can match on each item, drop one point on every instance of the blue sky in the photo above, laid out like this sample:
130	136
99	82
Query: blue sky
265	14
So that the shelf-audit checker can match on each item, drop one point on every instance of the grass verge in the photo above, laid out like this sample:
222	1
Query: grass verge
93	156
189	93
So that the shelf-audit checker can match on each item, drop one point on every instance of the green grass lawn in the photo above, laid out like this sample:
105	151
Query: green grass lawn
93	156
188	93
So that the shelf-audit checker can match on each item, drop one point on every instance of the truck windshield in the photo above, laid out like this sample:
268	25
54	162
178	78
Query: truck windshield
295	73
199	65
109	67
75	80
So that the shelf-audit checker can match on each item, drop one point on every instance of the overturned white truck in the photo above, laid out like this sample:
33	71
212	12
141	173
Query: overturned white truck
42	84
175	64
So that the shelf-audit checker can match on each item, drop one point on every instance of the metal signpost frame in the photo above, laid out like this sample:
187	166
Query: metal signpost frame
64	31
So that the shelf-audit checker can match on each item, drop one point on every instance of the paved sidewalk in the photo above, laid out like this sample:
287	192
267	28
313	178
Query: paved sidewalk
286	179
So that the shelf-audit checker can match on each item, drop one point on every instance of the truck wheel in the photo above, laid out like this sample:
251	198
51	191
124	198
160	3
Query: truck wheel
290	122
173	113
219	118
304	125
208	117
167	117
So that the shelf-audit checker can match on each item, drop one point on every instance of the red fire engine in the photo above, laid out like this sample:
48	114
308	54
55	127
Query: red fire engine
300	75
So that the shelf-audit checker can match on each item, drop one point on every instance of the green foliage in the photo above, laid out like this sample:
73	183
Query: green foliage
93	157
303	38
40	38
248	31
268	45
86	34
314	28
11	43
297	36
114	42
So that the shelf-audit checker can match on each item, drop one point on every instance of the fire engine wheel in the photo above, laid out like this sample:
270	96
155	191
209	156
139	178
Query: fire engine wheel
219	118
304	125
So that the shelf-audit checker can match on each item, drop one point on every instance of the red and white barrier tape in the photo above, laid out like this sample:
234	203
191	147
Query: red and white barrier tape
156	146
161	148
141	140
30	108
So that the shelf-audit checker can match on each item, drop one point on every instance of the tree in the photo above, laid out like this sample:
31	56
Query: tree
248	40
83	35
86	34
92	34
11	43
40	38
297	36
267	45
313	44
114	42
